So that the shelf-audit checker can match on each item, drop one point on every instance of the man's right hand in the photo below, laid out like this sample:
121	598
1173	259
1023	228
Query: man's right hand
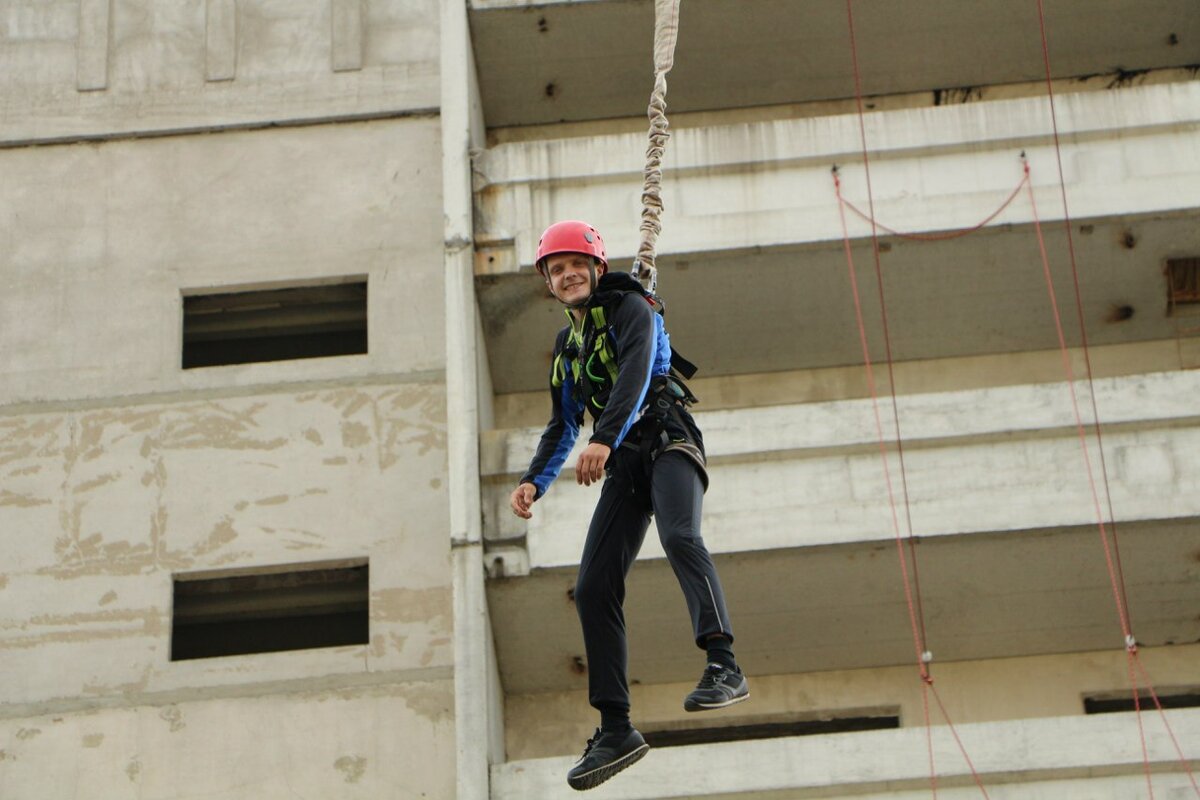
522	500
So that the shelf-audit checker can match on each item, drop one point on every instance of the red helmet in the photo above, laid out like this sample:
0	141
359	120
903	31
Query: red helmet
570	236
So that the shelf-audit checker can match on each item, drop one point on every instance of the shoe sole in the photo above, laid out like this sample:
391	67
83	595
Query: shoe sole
691	705
590	780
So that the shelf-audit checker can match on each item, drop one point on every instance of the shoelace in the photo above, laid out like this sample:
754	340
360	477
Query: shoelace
591	742
712	675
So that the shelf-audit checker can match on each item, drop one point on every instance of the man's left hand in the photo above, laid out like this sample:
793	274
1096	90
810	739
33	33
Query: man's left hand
590	467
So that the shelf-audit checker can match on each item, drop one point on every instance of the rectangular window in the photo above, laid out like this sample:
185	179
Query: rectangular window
277	324
1113	702
770	729
268	611
1183	285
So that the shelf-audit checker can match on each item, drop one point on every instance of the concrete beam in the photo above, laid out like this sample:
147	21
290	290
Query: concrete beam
93	45
212	65
220	40
347	35
768	184
478	716
968	454
1101	755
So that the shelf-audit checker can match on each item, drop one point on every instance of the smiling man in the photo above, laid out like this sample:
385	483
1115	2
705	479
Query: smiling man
613	361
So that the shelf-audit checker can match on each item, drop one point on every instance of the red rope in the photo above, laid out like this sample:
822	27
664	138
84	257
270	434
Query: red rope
1137	708
1163	714
944	235
1112	555
1113	572
1087	358
912	594
918	640
1079	426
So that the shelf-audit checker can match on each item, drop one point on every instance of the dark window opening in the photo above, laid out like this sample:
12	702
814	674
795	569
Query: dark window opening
1113	703
269	612
677	737
275	324
1183	284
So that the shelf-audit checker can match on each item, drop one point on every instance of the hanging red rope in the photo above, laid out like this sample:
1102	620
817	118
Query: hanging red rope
1107	532
1112	554
912	593
943	235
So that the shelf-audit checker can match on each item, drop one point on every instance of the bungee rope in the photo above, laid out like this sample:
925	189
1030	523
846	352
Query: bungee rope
666	32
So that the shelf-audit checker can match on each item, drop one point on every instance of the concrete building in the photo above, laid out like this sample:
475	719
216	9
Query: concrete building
231	571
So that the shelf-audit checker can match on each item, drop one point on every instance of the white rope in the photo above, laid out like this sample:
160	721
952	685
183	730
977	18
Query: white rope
666	31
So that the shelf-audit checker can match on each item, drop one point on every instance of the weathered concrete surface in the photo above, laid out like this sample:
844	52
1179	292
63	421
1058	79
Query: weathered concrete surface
816	609
1100	756
543	724
752	223
99	508
352	742
735	53
967	456
102	239
756	390
202	64
763	184
799	519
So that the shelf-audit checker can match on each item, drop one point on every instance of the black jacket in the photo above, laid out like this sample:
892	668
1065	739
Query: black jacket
643	351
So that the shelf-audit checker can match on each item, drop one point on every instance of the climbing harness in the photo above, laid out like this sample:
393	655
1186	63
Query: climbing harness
588	363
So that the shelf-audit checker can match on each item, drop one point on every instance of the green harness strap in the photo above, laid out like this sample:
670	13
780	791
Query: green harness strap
601	347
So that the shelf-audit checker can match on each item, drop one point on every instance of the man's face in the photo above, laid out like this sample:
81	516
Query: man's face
569	275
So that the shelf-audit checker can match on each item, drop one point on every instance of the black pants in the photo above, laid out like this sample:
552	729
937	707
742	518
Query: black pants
675	495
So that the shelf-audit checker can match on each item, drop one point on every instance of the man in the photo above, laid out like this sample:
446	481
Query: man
614	360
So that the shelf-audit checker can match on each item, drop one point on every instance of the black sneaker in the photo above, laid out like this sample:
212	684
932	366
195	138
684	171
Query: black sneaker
719	687
606	754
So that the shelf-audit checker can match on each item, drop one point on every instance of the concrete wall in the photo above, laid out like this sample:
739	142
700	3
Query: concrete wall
1012	571
98	68
544	724
1030	759
102	239
101	507
755	390
969	454
758	184
118	469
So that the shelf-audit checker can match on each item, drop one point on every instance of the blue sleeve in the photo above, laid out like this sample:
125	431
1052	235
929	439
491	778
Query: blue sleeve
559	436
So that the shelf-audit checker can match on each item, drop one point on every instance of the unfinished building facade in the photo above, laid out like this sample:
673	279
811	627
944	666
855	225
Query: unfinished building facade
273	355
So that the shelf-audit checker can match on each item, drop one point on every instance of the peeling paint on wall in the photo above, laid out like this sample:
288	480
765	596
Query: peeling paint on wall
434	706
414	605
353	767
109	502
8	498
174	718
355	434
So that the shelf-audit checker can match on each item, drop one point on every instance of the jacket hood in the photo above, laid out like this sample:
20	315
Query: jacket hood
612	284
